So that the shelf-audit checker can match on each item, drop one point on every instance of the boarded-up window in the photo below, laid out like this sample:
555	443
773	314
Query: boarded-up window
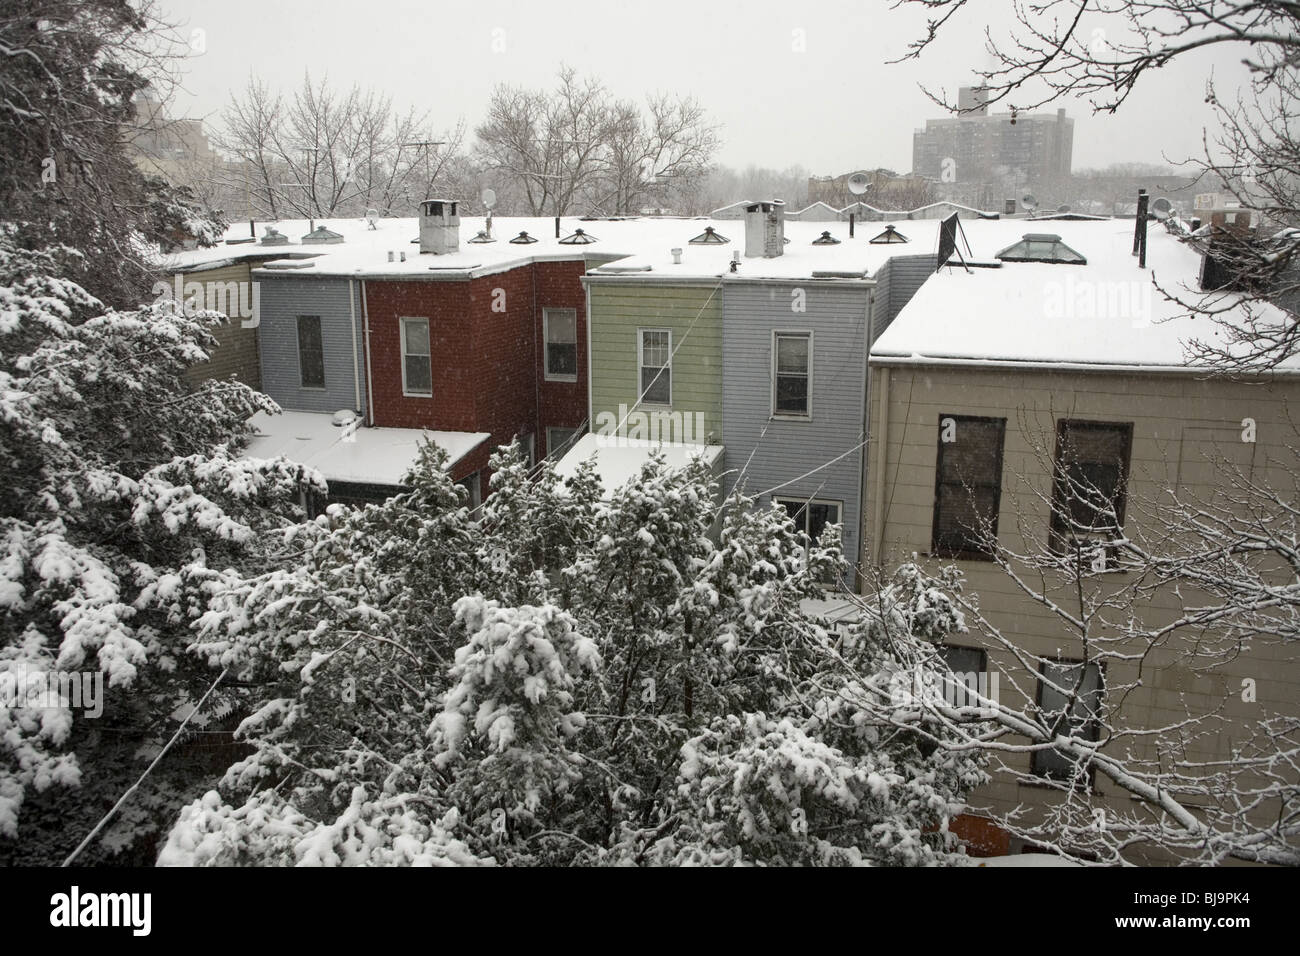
793	373
1092	463
967	486
1069	700
561	344
311	352
417	363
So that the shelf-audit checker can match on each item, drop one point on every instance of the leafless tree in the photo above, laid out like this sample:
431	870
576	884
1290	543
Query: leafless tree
1135	594
576	146
324	153
1099	50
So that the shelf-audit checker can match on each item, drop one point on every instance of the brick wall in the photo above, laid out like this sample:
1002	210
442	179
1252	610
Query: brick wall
560	404
487	362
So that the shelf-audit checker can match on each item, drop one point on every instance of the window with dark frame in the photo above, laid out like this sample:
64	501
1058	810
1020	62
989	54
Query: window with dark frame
655	356
792	373
311	352
561	328
962	689
1082	718
417	361
1091	471
471	484
560	440
967	486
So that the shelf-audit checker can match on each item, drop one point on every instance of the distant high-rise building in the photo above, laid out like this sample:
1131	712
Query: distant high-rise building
1012	150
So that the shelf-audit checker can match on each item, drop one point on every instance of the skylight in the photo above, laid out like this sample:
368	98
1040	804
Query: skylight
522	239
826	239
708	237
889	235
483	237
1041	247
579	238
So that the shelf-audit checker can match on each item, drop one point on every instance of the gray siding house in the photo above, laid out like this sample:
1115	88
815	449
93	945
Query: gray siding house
794	387
311	342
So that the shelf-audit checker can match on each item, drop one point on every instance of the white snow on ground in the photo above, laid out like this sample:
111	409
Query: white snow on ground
1104	313
618	460
378	456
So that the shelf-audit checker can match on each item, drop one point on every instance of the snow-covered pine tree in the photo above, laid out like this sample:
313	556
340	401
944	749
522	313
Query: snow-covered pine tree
122	484
573	677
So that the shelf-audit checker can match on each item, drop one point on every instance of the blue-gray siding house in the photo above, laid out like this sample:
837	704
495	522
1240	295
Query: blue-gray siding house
311	341
793	429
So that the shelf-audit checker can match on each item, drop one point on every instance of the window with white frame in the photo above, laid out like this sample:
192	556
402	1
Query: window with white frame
560	440
655	360
560	327
811	516
311	352
417	362
792	374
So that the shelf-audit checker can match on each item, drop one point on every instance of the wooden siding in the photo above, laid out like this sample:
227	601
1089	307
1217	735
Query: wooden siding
694	314
236	352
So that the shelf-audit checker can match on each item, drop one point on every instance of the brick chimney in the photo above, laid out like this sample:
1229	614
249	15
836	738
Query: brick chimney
439	226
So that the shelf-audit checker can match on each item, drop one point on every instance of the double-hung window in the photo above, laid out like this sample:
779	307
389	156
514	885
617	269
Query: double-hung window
417	361
655	361
792	374
561	330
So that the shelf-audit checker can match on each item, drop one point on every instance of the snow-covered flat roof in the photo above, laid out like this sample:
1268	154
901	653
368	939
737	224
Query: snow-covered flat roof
376	456
1106	313
619	460
642	245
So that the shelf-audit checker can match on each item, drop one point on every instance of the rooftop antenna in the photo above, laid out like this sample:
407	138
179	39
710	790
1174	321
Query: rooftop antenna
489	200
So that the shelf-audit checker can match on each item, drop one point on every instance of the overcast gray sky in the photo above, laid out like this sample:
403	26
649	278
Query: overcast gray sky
833	107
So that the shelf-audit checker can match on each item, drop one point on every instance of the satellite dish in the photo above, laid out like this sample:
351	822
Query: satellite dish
1161	208
859	183
1064	207
1029	202
372	218
489	197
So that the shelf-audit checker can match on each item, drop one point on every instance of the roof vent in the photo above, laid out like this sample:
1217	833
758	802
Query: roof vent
522	239
1041	247
709	237
890	235
579	238
322	236
482	237
826	239
273	237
